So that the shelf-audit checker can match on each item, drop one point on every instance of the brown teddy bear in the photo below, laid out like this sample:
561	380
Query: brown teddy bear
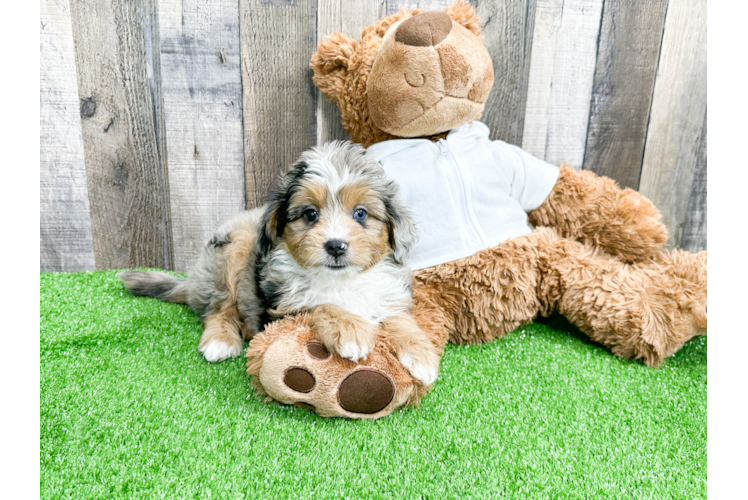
595	254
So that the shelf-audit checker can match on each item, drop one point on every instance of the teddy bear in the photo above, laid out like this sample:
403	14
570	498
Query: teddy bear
505	237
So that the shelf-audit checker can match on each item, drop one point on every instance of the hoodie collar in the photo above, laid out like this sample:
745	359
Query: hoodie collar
382	150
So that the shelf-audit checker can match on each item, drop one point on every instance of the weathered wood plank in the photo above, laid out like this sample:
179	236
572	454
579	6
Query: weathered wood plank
544	40
560	82
677	116
394	6
694	232
117	60
627	56
349	17
507	34
201	74
279	98
712	199
65	224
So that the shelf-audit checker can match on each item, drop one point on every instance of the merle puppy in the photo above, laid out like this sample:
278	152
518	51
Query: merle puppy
331	242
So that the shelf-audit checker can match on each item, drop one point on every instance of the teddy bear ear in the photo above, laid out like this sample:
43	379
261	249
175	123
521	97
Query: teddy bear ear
464	13
330	64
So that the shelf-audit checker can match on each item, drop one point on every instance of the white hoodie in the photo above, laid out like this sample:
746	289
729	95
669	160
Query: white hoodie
468	192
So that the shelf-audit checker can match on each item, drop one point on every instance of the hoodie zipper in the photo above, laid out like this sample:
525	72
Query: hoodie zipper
466	211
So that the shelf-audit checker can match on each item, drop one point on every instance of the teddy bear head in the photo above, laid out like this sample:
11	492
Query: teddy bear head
412	74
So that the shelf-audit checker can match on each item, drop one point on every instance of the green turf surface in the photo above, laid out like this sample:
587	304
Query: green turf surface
129	409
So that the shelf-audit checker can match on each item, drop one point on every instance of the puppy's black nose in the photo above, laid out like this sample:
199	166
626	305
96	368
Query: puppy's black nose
336	248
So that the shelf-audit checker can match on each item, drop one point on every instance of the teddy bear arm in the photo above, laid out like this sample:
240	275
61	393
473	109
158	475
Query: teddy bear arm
594	210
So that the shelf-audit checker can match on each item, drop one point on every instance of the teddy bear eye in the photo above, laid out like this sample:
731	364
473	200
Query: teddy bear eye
359	214
310	215
416	80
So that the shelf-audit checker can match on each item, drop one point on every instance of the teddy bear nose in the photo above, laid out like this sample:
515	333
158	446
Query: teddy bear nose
424	30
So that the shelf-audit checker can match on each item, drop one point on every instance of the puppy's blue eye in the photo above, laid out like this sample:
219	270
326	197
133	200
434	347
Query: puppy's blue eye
311	215
359	214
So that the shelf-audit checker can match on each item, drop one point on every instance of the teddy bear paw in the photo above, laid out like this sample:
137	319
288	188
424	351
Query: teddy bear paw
363	391
299	370
360	390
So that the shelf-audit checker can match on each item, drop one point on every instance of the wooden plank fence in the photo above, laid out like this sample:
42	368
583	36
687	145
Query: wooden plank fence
162	118
66	240
201	82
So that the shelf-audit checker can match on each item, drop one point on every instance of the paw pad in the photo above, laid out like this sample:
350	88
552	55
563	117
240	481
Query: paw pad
365	391
303	373
299	379
317	350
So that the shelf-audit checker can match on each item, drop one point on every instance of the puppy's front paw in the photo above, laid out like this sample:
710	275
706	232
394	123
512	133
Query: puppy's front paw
355	349
216	350
347	334
354	340
423	366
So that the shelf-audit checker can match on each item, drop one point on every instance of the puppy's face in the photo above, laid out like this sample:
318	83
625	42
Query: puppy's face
336	211
336	226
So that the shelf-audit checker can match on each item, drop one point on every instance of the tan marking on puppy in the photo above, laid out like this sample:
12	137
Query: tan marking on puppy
362	196
312	193
237	255
343	332
305	244
369	242
303	240
368	246
224	329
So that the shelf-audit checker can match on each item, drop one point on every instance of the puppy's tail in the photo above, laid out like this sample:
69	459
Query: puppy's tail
155	284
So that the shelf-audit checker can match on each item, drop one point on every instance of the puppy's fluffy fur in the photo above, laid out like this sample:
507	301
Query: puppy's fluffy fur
332	242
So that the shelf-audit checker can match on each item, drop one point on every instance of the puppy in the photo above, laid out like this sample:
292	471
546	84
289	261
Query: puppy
332	241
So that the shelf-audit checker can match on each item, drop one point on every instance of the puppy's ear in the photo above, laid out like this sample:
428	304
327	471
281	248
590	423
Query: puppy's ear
330	64
402	228
275	217
269	227
463	13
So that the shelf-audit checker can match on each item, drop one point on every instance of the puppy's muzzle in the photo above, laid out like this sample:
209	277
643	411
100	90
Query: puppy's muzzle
336	248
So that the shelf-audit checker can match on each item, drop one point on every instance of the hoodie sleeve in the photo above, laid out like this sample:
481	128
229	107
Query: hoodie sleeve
532	178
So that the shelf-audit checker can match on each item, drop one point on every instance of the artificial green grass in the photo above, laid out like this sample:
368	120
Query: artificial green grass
129	409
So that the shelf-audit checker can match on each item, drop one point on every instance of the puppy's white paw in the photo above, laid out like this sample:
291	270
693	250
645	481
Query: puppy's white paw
354	351
218	350
406	360
425	372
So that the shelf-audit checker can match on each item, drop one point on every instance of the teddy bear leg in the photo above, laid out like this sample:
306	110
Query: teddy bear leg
481	297
289	364
643	311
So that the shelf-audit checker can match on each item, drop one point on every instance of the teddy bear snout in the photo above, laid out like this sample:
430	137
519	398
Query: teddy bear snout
424	30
